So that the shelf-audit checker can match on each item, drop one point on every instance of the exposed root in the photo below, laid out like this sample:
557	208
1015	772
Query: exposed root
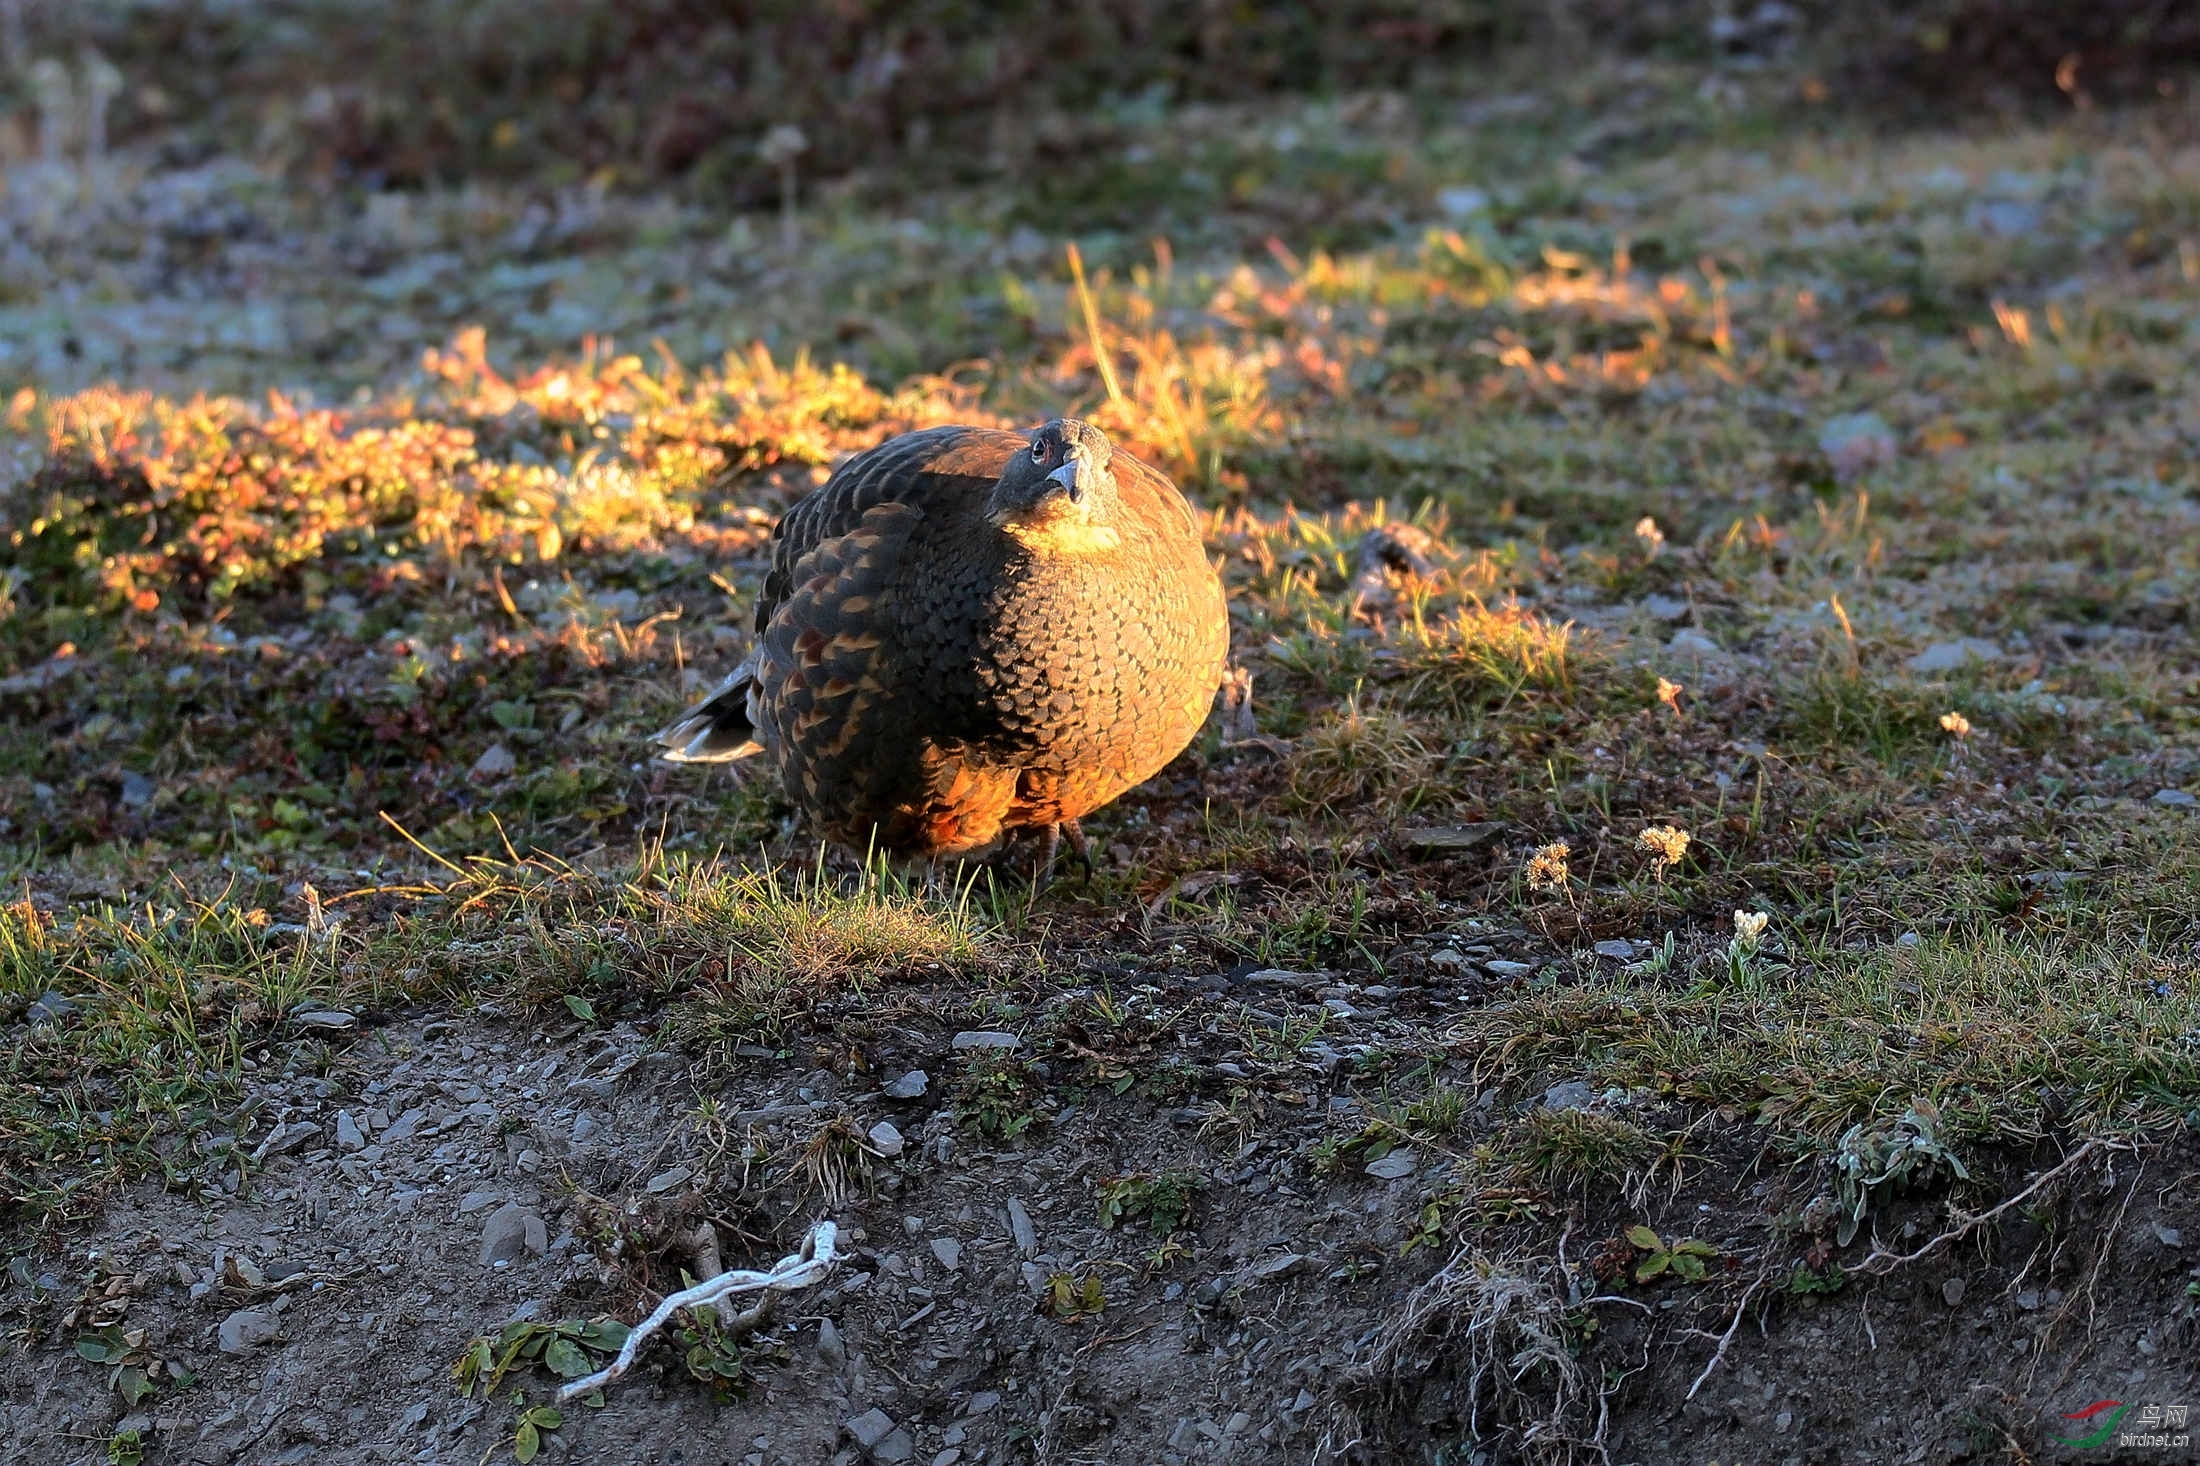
1718	1355
1495	1329
1882	1262
812	1264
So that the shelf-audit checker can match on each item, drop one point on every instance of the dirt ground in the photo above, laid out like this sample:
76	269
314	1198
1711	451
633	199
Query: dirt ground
322	1309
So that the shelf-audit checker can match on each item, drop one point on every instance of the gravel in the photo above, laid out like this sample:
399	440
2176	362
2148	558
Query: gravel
512	1232
983	1038
1020	1227
247	1328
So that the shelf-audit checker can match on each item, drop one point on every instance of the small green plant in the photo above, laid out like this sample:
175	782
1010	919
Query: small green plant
1906	1154
711	1353
1073	1299
1686	1258
563	1348
1172	1078
1435	1116
1580	1148
1658	963
997	1095
1378	1138
1807	1280
1162	1200
126	1447
133	1371
1278	1045
1428	1227
535	1421
569	1349
1166	1253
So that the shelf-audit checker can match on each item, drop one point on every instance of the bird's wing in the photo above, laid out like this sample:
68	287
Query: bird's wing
1152	497
915	469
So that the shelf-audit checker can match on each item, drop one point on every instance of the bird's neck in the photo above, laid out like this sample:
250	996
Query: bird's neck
1063	537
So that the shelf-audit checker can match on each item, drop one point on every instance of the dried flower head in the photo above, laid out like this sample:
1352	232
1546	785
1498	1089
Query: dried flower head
1547	870
1956	724
1749	926
1669	693
782	145
1653	538
1666	844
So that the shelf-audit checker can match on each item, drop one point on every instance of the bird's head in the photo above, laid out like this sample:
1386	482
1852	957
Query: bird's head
1058	492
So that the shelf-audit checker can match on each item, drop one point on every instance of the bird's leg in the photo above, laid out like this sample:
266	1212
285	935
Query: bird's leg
1079	846
934	884
1049	843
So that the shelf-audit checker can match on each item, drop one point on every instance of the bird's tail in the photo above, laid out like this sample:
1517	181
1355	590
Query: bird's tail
717	730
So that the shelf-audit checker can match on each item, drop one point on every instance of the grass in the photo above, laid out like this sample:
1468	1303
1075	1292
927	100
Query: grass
1577	1149
260	616
2010	1029
170	1009
137	1068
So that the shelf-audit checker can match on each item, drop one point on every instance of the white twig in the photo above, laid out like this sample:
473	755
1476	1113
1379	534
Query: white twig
1882	1261
1727	1337
797	1270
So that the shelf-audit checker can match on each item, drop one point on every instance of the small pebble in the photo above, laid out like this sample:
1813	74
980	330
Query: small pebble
869	1428
247	1328
983	1038
1019	1226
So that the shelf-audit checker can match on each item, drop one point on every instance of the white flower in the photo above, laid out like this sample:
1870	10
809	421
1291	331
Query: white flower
1750	925
782	145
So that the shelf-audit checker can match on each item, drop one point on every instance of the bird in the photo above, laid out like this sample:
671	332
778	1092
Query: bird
967	632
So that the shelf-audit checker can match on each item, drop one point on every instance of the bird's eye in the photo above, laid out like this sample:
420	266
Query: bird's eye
1039	452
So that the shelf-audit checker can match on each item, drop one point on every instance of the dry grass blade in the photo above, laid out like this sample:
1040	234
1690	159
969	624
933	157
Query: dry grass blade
836	1160
1101	356
1496	1327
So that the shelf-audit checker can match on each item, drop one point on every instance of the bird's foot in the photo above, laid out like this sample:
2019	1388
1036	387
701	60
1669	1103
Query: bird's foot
1051	844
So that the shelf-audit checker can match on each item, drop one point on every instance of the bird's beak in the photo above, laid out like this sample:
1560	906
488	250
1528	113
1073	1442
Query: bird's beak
1067	477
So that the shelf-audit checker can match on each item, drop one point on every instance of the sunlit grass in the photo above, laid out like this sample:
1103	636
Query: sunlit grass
158	1015
137	1028
2006	1034
1360	757
1482	653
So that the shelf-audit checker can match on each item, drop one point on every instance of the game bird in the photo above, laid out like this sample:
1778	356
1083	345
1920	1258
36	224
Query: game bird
967	632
